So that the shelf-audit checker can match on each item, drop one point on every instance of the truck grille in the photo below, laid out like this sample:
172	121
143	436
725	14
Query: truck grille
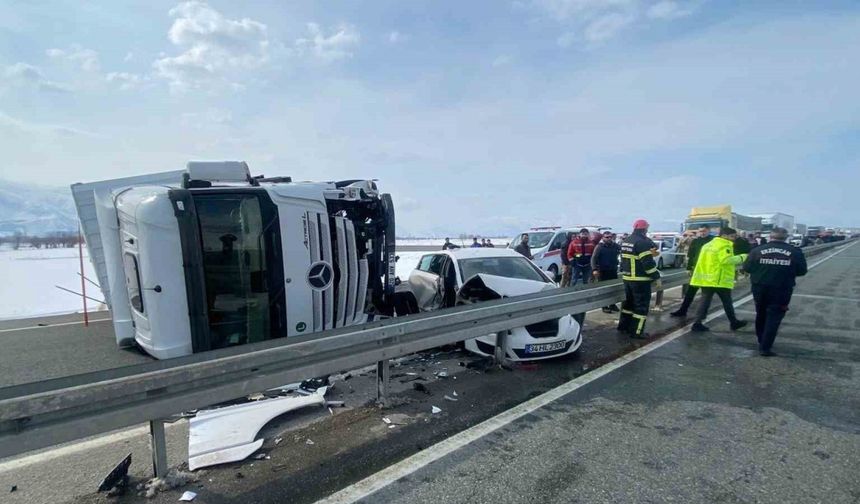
352	277
545	329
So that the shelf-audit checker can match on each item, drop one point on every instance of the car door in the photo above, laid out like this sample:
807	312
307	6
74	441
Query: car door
425	281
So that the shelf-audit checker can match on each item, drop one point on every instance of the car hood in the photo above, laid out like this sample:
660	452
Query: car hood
483	287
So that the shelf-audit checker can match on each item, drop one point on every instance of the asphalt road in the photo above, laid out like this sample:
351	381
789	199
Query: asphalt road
700	419
350	444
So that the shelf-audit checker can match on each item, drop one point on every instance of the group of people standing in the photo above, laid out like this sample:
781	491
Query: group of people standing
485	242
712	263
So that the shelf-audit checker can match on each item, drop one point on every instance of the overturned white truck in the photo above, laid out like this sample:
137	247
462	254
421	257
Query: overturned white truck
210	257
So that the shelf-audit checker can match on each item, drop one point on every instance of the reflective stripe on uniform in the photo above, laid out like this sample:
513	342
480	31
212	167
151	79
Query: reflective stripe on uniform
642	319
644	254
626	312
652	270
635	279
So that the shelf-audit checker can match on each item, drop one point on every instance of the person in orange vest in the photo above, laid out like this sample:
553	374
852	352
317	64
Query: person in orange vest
579	252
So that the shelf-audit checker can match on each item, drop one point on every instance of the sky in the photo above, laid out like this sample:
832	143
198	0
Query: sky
478	117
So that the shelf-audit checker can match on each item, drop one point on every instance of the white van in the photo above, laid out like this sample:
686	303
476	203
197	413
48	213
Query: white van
545	244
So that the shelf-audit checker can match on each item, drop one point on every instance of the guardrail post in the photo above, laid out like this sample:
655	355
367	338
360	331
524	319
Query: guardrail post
499	354
383	379
158	443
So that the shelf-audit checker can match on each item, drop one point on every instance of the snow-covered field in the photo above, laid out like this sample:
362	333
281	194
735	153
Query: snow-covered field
29	279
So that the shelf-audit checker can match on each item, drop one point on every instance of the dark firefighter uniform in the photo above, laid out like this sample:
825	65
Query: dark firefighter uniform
638	270
772	268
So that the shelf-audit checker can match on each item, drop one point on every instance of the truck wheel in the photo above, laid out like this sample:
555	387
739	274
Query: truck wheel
553	270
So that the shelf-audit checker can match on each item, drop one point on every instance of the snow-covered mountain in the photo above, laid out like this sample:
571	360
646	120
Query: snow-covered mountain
35	210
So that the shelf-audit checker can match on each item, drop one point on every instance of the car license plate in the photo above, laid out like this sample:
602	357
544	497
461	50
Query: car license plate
544	347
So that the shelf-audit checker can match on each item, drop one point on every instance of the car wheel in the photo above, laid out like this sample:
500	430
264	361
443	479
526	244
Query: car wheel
553	270
660	263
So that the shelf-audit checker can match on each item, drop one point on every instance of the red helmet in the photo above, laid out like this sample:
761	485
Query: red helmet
640	224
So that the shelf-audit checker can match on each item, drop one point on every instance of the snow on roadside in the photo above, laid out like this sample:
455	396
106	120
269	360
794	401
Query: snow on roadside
29	276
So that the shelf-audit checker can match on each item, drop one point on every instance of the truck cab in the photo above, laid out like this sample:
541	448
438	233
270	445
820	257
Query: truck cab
212	257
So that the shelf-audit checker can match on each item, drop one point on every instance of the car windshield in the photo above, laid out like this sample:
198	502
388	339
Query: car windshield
536	240
508	267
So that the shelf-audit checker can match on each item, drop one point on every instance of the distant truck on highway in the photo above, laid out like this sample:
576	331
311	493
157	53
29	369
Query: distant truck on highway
776	219
212	257
717	217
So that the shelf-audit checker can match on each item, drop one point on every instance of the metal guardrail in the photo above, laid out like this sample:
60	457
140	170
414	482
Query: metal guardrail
44	414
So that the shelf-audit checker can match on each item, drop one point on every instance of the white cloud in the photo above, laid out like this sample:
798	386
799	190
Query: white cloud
501	60
213	46
30	76
338	45
125	80
7	121
669	9
594	22
86	59
606	26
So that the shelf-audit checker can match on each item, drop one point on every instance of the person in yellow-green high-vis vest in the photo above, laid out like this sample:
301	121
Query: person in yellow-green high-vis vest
715	274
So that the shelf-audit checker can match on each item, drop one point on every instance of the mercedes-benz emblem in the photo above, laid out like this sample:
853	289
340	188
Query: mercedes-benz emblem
320	275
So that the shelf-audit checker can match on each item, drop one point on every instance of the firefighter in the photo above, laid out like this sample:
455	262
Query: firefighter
772	268
638	270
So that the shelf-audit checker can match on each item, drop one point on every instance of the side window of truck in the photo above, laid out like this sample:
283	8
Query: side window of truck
132	281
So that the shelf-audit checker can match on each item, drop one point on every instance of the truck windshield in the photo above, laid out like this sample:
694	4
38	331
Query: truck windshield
692	225
242	267
508	267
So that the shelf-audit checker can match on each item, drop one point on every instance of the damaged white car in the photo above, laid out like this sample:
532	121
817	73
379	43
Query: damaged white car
464	276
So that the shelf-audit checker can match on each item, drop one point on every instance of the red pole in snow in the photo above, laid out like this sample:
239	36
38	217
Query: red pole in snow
83	281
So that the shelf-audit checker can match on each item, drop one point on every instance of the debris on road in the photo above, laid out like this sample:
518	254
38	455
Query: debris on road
262	456
228	434
188	496
13	489
421	388
117	477
314	384
386	420
435	409
309	442
398	419
174	479
449	398
278	440
334	404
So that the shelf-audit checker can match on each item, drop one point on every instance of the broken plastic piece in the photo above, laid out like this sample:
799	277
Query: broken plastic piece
309	441
435	409
116	476
188	496
227	434
449	398
386	420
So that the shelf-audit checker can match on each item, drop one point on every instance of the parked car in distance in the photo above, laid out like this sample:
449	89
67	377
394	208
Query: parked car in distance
667	245
465	276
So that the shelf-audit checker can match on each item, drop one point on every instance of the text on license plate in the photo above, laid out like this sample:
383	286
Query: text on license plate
544	347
